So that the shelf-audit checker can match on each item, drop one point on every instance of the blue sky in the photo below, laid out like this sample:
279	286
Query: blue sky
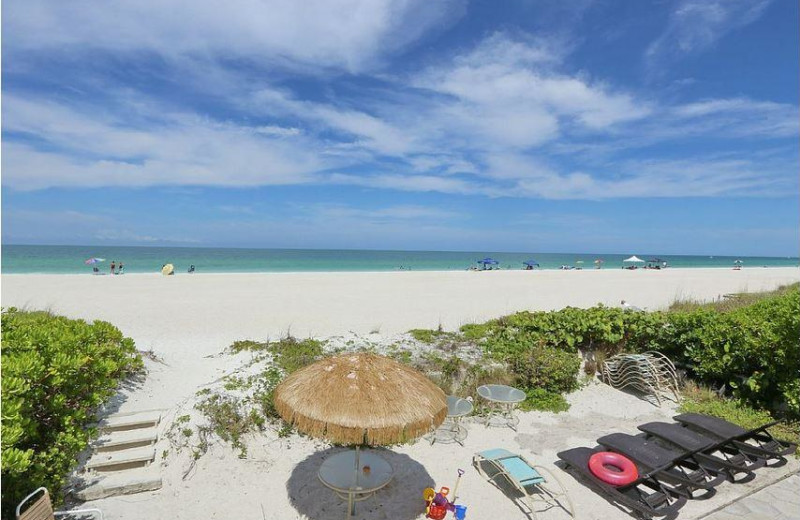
590	125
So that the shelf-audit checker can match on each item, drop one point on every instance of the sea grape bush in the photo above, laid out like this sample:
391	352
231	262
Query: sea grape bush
56	371
753	350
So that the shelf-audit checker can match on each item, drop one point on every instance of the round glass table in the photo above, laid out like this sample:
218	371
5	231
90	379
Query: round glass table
451	429
501	401
355	475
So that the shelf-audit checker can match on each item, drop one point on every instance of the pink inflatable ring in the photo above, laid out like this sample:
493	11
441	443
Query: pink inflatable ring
613	468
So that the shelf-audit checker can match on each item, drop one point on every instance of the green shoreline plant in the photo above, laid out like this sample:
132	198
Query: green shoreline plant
56	372
245	405
741	348
748	345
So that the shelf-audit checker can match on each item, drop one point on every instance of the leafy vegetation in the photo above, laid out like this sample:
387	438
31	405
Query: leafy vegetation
56	372
426	335
729	302
547	369
702	400
245	404
291	354
544	401
748	345
742	349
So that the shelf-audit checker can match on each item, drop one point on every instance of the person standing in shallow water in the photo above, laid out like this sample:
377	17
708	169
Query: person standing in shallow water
113	265
121	269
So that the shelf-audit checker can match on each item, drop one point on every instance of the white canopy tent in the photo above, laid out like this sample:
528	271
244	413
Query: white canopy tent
634	258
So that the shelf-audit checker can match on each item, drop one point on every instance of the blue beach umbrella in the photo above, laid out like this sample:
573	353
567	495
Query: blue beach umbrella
488	261
531	262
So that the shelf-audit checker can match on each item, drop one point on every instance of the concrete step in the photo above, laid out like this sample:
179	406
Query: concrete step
130	421
121	483
116	440
119	460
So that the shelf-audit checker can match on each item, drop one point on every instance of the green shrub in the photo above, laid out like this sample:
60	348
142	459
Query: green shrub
570	329
730	302
756	351
475	331
546	368
753	350
248	345
56	372
544	401
425	335
292	354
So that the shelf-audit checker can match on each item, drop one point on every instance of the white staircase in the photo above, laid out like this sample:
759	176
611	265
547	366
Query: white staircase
123	455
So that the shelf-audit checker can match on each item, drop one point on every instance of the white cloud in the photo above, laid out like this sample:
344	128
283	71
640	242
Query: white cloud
90	149
497	120
127	236
411	183
373	133
506	92
388	213
275	130
739	117
62	226
350	34
659	178
696	25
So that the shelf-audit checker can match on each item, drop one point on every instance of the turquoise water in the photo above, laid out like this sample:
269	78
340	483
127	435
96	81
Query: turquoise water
69	259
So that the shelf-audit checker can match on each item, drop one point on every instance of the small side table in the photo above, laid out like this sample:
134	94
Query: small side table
351	482
502	401
452	430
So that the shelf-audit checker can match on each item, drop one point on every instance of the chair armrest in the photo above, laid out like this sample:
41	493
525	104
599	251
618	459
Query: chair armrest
96	513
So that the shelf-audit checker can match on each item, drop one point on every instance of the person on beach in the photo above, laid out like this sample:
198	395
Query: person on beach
113	266
121	268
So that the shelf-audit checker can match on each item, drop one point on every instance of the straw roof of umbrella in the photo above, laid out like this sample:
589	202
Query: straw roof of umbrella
361	399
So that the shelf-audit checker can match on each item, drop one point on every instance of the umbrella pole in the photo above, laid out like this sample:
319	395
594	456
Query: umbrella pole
351	506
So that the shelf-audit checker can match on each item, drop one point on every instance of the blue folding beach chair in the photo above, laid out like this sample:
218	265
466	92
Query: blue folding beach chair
531	483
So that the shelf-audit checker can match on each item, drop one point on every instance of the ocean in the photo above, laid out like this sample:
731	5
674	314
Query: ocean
70	259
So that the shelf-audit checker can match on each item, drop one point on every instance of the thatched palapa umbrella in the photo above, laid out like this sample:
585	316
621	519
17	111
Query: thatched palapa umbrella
362	398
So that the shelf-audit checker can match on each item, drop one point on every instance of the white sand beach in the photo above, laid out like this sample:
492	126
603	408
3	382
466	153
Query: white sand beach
188	320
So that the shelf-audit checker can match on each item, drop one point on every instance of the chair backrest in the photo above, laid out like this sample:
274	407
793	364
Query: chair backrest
39	509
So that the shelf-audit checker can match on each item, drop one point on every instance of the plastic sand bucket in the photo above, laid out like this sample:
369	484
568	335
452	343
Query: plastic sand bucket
460	512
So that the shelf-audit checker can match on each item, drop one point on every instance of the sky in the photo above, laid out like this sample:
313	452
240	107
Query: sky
608	126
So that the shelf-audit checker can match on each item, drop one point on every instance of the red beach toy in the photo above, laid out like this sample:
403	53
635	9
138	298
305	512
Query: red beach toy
437	504
613	468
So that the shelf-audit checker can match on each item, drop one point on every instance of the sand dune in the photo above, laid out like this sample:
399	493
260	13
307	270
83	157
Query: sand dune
185	318
188	320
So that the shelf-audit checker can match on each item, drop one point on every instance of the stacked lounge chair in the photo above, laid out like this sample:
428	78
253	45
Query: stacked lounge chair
651	374
679	461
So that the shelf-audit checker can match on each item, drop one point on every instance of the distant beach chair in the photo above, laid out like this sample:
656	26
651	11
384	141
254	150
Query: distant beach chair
529	482
42	509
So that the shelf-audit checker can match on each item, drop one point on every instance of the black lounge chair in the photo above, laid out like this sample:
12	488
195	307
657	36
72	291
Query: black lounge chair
712	454
765	445
646	496
686	475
